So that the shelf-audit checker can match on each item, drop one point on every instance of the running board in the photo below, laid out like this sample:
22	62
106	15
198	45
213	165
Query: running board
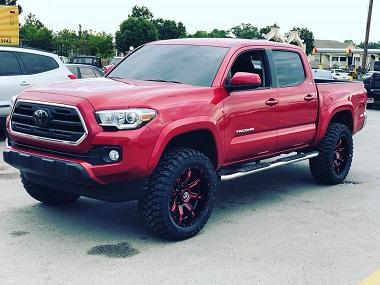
228	174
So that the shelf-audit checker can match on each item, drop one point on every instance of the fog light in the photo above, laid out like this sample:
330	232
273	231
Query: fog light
114	155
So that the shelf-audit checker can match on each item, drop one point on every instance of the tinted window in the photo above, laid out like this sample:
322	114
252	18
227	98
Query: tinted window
195	65
289	68
252	62
36	63
9	64
377	66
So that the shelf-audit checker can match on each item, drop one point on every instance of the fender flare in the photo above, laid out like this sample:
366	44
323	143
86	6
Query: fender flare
183	126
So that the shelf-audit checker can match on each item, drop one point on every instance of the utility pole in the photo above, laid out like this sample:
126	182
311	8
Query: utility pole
367	33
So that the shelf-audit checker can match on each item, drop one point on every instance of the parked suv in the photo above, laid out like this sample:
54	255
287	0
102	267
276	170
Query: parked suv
372	85
24	67
88	59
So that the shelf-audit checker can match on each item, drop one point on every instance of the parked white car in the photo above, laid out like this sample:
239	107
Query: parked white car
340	74
24	67
321	74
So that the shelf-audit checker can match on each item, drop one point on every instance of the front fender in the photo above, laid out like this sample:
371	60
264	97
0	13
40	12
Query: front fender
183	126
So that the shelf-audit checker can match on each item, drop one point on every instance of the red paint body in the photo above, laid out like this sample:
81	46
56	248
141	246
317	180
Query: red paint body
245	125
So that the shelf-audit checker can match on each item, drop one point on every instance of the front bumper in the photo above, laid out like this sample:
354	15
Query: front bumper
72	177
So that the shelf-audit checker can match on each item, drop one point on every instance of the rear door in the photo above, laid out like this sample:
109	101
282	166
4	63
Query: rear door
298	101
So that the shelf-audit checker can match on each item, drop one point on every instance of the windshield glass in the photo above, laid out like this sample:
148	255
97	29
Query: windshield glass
187	64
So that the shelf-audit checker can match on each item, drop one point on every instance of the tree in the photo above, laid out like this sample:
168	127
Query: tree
215	33
11	3
199	34
34	33
135	32
168	29
245	31
264	31
65	42
141	12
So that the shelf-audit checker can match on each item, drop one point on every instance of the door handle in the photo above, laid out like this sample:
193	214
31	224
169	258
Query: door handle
271	102
24	83
308	98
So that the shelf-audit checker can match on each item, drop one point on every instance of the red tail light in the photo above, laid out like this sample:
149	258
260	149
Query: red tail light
72	76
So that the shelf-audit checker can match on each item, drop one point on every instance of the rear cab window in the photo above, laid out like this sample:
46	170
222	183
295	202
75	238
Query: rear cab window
289	68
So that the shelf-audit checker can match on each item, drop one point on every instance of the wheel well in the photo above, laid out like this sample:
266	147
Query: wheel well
343	117
201	140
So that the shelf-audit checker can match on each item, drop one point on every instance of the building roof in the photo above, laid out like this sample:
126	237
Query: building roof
332	44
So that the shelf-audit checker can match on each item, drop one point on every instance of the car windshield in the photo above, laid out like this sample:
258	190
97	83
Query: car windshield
187	64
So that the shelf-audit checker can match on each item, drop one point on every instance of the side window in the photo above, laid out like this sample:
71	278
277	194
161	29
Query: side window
36	63
289	68
253	62
9	64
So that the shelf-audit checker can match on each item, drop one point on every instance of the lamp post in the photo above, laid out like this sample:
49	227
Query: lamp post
367	33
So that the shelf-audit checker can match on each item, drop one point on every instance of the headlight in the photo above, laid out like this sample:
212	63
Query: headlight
125	119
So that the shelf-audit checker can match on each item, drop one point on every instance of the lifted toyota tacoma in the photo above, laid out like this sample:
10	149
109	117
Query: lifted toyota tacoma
175	116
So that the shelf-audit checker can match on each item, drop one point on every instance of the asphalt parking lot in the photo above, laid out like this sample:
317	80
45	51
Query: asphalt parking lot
274	227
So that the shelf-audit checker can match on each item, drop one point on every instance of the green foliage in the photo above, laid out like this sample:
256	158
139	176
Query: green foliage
215	33
135	32
141	12
245	31
371	45
308	38
264	31
199	34
168	29
34	33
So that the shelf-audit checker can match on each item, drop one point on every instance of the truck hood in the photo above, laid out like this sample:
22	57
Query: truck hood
105	93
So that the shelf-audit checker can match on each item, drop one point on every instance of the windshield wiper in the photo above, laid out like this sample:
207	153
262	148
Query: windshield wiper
161	80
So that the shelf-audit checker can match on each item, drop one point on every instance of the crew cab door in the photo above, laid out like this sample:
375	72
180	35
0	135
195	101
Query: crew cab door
298	101
251	113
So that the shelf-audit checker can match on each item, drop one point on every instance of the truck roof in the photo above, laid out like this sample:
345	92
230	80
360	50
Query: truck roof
221	42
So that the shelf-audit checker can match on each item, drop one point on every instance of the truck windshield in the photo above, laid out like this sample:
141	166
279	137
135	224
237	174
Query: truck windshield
187	64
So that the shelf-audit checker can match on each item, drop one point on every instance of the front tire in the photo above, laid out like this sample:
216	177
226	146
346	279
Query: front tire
181	194
333	163
47	195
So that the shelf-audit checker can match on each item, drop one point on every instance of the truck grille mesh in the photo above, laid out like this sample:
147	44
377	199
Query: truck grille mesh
59	123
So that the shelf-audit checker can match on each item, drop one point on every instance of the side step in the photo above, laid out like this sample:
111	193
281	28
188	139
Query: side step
246	169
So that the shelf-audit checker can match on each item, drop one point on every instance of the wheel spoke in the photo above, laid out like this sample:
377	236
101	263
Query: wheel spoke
190	208
195	196
195	183
174	206
180	210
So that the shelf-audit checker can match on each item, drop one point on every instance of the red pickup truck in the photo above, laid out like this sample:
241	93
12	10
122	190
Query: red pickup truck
175	116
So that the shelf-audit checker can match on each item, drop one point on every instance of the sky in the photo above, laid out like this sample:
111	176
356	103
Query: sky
328	19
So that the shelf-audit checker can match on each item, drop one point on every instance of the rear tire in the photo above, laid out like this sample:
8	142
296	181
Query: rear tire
181	194
47	195
333	163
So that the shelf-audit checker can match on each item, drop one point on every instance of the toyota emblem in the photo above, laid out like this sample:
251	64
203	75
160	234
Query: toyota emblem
41	118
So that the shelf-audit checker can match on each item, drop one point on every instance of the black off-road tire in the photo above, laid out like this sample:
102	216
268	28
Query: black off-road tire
181	194
333	163
47	195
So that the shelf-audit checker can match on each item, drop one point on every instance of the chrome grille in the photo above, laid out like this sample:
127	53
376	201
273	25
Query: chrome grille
59	123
